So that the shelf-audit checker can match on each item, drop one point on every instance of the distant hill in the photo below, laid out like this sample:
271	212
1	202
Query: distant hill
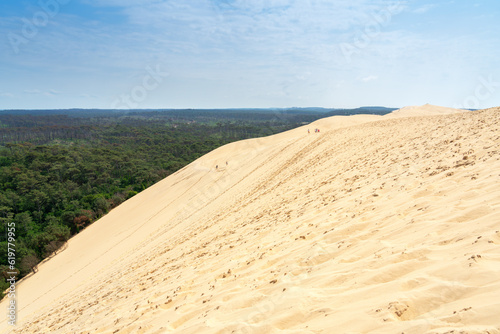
186	112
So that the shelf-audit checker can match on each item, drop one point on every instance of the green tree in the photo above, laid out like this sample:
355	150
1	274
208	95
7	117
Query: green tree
29	264
24	223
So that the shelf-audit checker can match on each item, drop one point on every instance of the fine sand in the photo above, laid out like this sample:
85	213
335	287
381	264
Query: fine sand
377	224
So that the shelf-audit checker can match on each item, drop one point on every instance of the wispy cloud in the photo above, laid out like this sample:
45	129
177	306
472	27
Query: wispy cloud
89	96
52	92
369	78
33	91
272	27
49	93
424	9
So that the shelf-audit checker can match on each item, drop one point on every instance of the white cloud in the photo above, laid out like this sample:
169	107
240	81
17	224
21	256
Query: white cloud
89	96
49	93
424	9
369	78
33	91
255	25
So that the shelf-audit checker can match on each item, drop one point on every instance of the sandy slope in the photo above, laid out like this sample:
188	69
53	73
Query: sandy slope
375	225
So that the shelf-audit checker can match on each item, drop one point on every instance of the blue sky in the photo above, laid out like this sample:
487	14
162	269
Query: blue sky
248	53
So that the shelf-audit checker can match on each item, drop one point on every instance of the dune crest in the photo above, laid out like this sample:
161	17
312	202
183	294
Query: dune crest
373	225
425	110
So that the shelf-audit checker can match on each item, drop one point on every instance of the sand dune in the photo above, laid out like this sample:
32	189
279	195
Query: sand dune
426	110
374	225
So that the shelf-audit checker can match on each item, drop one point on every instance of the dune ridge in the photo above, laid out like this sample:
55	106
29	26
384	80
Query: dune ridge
377	224
425	110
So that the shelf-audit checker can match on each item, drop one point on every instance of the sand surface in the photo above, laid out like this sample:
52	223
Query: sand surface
377	224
